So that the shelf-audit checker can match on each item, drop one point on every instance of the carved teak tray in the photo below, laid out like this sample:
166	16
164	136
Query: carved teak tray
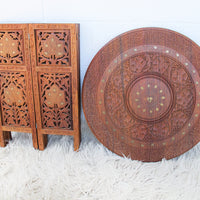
141	94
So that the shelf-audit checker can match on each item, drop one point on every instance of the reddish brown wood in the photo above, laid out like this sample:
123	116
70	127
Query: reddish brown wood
141	94
17	106
55	68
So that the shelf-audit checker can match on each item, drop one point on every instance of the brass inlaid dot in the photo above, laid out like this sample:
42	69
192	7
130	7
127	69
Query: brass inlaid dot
198	105
138	106
109	70
13	44
122	137
49	94
148	85
7	92
106	122
11	88
164	143
17	93
1	44
59	45
189	124
163	97
183	133
52	40
155	47
137	93
161	104
167	51
54	90
196	115
155	86
59	53
150	111
46	45
197	82
13	52
101	91
61	103
152	144
161	91
8	100
115	61
136	99
103	80
60	94
186	64
173	138
114	129
194	71
157	109
19	101
1	51
177	55
125	55
135	49
142	145
144	110
141	88
104	112
6	39
100	102
49	102
45	53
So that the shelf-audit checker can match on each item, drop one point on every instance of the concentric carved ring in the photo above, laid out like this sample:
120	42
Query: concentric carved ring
149	98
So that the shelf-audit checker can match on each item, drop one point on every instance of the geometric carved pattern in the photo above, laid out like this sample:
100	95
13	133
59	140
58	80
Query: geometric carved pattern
56	100
53	48
13	99
11	47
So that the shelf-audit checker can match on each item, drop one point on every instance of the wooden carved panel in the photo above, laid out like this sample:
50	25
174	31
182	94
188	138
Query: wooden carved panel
11	47
56	100
144	101
53	47
13	99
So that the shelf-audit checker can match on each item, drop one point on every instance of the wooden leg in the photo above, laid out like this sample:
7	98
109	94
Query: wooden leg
34	138
42	141
77	140
5	136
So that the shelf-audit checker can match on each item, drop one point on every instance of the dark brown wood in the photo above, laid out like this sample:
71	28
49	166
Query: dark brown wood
55	68
141	94
17	106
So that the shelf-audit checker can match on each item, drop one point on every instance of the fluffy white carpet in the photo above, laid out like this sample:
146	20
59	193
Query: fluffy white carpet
93	173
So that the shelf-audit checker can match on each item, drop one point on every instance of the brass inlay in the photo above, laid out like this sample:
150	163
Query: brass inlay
8	100
163	97
138	106
1	51
161	91
19	101
104	112
49	94
177	55
122	137
101	91
1	44
59	53
6	39
189	124
198	104
173	138
114	129
103	80
52	40
164	143
167	51
155	86
186	64
46	45
60	94
17	93
14	52
136	99
49	102
99	102
157	109
106	122
54	90
197	82
11	88
161	104
183	133
148	85
45	53
149	99
61	103
196	115
125	55
141	88
152	144
142	145
194	71
150	111
137	93
144	110
13	44
59	45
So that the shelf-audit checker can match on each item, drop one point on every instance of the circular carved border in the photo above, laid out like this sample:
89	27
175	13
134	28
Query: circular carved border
144	141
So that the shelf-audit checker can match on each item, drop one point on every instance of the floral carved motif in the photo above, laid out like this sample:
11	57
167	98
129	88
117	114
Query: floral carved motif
56	100
13	99
53	48
11	47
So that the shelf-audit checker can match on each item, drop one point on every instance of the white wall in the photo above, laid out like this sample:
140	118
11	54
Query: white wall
102	20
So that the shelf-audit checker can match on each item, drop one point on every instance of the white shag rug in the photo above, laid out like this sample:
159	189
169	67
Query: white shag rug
93	173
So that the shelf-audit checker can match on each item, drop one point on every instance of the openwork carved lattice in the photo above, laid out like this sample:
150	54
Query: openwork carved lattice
53	48
13	99
56	100
11	47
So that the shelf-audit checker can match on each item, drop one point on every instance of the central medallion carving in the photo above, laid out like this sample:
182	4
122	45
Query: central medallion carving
149	98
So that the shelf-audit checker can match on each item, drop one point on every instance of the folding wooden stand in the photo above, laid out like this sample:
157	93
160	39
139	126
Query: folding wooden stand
39	79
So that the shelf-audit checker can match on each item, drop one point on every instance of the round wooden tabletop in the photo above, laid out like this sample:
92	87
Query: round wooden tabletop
141	94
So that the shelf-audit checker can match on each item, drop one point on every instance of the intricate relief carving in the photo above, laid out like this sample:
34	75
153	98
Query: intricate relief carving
13	99
162	67
11	47
56	100
53	48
